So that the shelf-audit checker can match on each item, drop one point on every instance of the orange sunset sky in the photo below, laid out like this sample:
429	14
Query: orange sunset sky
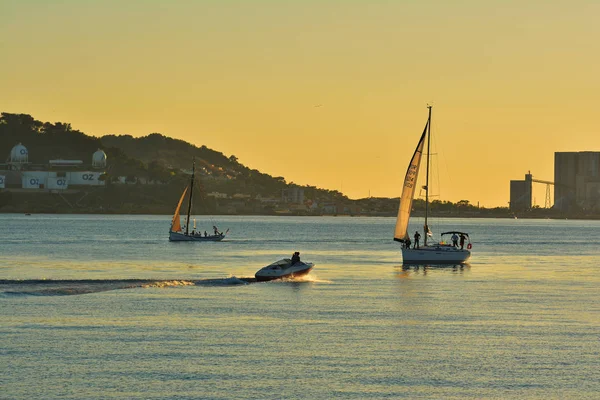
326	93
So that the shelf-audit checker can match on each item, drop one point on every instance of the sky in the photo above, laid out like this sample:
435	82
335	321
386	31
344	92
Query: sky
325	93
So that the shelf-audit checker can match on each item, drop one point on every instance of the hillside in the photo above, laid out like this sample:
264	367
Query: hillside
45	140
221	173
155	158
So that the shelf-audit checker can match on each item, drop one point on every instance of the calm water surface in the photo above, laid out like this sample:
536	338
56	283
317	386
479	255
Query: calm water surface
102	307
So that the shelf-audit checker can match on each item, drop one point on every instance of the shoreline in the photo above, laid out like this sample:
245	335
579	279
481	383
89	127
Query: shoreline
417	215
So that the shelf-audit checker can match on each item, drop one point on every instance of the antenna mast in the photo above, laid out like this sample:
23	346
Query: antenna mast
426	228
187	222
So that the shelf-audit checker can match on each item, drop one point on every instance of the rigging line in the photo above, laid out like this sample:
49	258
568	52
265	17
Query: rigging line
447	169
434	160
437	176
434	181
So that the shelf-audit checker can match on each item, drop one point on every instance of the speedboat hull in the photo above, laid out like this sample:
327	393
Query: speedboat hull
283	269
435	254
182	237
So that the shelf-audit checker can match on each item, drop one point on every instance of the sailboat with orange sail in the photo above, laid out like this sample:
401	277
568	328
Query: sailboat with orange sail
179	233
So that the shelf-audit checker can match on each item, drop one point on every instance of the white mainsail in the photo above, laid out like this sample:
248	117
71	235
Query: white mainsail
408	191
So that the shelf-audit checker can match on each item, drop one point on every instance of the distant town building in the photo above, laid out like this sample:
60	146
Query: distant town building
298	207
217	195
293	195
267	200
329	208
520	194
577	180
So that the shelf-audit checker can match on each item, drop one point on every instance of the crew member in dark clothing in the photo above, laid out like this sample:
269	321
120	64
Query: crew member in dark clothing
455	240
417	237
462	241
295	257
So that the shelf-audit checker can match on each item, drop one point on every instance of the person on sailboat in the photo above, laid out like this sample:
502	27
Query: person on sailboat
462	241
216	230
417	237
455	240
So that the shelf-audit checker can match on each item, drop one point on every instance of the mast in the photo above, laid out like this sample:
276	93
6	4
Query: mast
426	228
189	211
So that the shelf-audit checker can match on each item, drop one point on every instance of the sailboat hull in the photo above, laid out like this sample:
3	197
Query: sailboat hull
182	237
435	255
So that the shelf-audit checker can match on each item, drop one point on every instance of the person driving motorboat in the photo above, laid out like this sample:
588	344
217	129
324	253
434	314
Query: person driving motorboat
296	257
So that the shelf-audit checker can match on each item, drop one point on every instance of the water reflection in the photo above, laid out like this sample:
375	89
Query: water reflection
406	269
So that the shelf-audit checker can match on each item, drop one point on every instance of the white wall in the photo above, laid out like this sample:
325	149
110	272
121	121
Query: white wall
55	183
33	179
87	178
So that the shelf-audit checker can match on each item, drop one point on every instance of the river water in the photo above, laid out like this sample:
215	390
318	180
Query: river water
100	307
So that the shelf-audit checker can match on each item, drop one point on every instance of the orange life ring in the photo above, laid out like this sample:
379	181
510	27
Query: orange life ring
469	246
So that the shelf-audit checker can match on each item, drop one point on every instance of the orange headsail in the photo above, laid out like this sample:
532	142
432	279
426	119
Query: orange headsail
176	223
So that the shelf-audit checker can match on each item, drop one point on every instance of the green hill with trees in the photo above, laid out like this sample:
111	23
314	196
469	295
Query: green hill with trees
162	163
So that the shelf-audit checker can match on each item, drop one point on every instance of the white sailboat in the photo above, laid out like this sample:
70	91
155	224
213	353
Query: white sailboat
177	232
435	253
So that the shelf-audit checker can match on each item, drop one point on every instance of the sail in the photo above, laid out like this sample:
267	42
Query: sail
176	223
408	191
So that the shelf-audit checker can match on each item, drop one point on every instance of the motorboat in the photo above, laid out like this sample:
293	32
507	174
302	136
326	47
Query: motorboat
283	269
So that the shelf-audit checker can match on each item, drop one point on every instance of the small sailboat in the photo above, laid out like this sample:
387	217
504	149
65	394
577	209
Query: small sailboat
177	232
436	253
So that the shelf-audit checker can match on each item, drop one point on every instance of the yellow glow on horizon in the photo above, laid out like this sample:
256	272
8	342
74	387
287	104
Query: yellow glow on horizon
328	93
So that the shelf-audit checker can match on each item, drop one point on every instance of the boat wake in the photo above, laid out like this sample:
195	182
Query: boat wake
71	287
230	281
307	278
312	278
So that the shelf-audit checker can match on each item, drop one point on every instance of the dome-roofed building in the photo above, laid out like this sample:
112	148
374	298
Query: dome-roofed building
18	158
99	159
19	155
